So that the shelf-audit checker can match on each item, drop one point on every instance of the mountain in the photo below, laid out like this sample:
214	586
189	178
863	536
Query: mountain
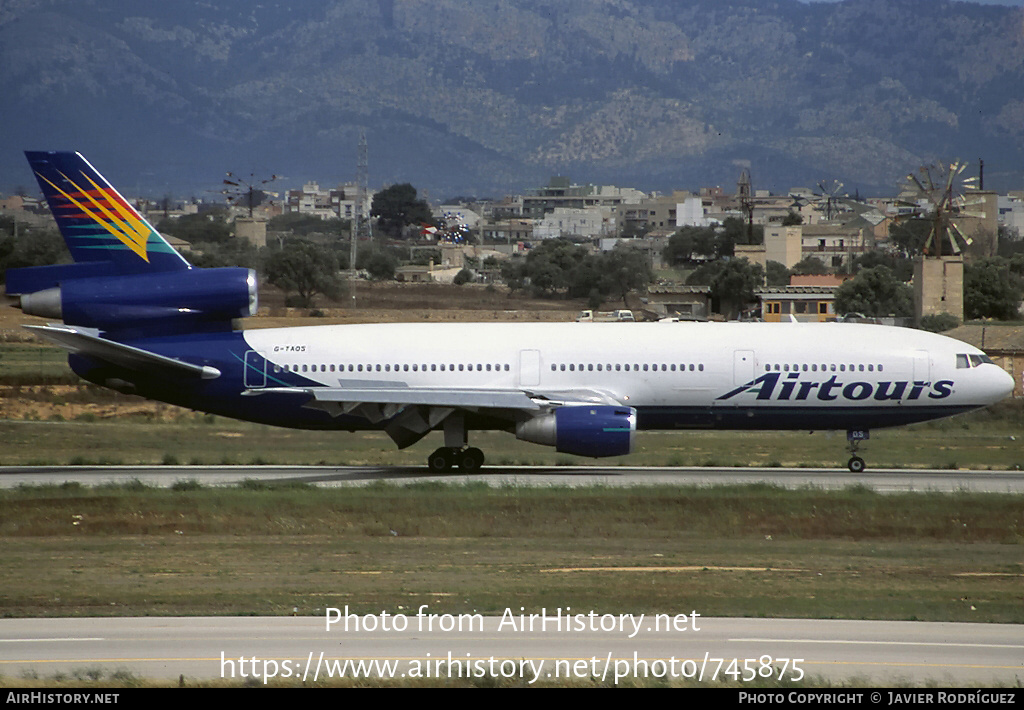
494	96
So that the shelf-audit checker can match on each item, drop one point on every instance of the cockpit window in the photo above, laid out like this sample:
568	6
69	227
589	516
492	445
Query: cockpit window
965	360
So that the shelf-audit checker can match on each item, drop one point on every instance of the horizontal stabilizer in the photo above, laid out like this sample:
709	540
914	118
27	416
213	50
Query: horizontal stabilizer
89	343
30	279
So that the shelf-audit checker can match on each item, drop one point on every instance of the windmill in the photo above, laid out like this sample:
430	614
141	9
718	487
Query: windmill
246	191
831	196
940	190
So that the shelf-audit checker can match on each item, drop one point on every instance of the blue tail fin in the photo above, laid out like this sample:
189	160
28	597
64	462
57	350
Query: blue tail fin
97	223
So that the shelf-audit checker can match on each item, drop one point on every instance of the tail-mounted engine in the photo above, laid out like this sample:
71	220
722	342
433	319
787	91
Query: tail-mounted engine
161	301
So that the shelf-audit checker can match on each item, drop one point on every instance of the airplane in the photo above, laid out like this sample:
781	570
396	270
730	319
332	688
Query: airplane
138	318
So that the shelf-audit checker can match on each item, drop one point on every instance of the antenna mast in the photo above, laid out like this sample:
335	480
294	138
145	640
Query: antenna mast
360	227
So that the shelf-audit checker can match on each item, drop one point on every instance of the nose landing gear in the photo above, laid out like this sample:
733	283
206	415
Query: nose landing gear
855	436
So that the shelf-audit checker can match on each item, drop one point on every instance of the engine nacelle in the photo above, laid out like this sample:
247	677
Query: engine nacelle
585	430
108	303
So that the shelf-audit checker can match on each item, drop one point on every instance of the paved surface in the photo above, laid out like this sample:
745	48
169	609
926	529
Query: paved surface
884	480
581	645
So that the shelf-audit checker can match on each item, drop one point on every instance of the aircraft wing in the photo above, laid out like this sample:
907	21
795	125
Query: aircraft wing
87	341
429	396
455	397
415	411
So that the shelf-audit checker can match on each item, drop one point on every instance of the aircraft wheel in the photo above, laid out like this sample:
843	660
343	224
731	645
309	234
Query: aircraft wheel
856	464
441	460
471	460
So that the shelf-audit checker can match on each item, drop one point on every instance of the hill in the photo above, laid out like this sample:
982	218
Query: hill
487	97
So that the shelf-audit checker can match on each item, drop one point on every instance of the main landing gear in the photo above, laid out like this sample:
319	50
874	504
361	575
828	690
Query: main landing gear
855	436
444	459
456	451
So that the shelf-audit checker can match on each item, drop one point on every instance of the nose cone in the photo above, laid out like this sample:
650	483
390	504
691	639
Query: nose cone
999	384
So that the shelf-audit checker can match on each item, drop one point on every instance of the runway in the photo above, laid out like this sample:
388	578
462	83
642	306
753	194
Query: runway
705	649
882	480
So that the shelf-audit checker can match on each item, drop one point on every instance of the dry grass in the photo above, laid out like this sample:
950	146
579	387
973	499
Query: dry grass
749	551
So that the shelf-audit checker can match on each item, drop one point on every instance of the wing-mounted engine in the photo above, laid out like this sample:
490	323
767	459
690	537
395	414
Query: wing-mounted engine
595	431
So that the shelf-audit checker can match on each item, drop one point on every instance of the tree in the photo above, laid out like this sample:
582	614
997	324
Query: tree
397	207
939	322
875	292
689	243
733	287
792	219
304	268
777	274
208	226
302	225
736	231
732	283
991	289
236	252
623	269
33	247
901	267
550	266
810	265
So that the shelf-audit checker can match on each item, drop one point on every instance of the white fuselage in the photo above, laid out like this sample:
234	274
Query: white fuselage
655	367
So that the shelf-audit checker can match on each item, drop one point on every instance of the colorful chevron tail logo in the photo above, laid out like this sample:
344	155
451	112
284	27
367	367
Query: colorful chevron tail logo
110	211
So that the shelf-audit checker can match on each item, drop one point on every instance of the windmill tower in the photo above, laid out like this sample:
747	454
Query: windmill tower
939	272
248	192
